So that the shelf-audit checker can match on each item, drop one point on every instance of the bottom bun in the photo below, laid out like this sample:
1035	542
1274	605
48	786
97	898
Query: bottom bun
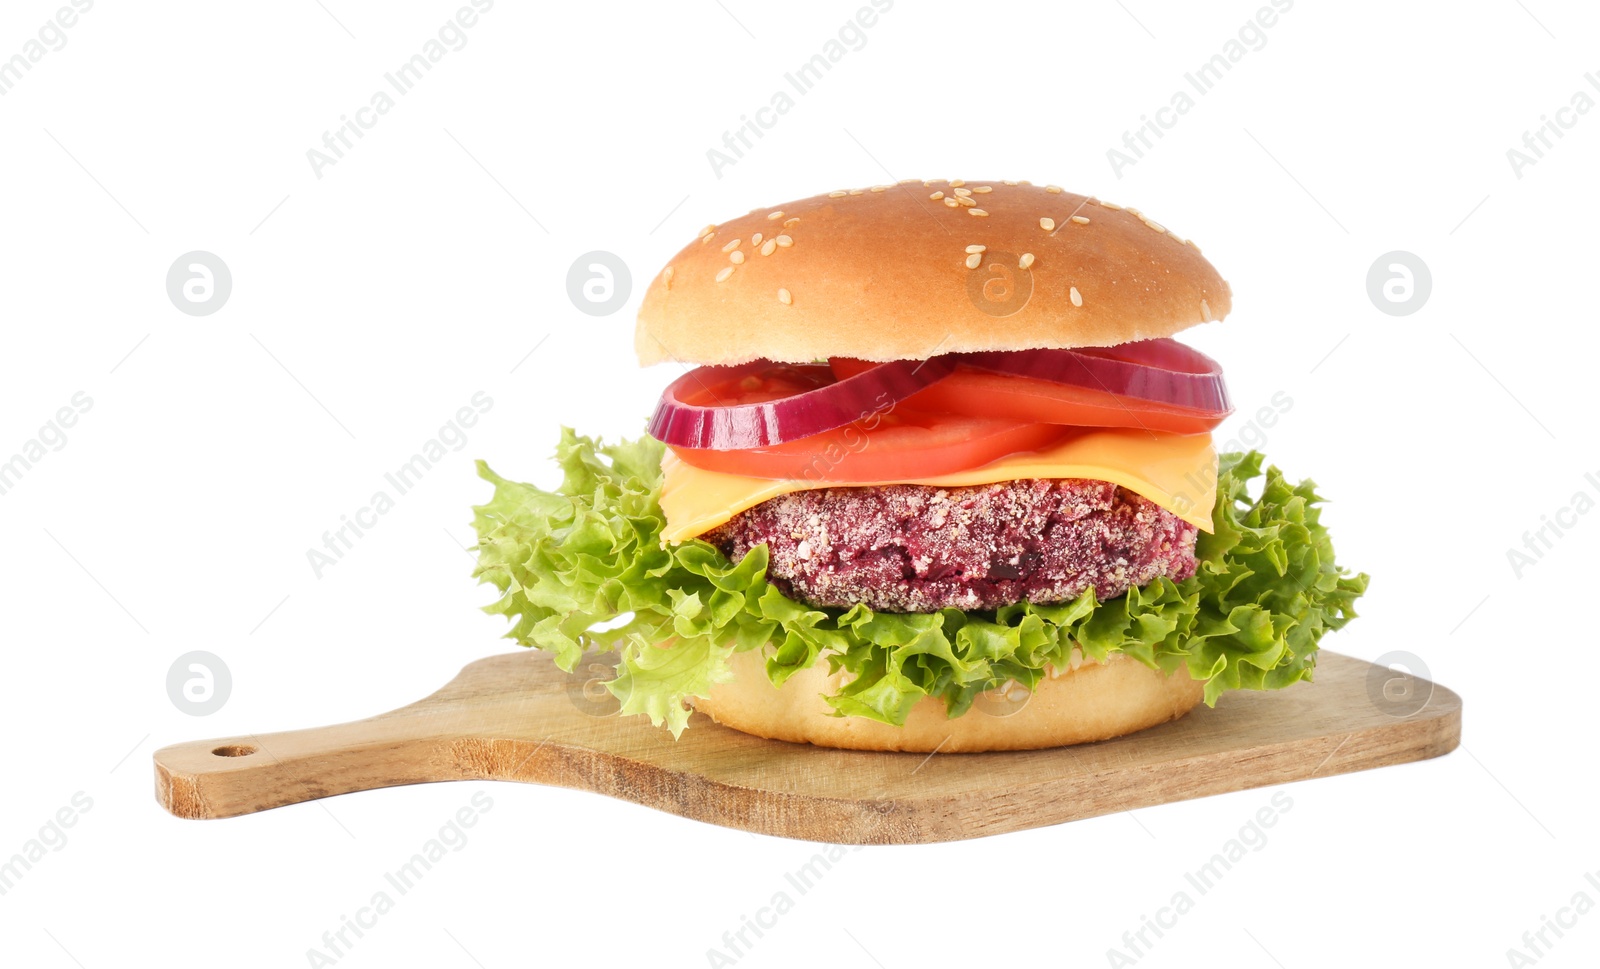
1093	702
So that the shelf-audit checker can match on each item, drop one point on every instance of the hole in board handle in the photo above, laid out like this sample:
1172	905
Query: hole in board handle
234	750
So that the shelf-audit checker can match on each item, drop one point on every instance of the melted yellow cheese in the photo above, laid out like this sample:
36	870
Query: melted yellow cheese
1176	471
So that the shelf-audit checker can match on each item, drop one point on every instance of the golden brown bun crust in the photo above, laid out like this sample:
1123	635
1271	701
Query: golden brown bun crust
1093	702
883	275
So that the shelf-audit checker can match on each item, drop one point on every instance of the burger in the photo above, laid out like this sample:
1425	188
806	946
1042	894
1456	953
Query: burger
934	476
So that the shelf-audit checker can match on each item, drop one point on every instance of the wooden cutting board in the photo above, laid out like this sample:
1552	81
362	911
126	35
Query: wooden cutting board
516	717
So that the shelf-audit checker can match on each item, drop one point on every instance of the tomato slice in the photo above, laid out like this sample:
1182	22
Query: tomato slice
1041	401
901	445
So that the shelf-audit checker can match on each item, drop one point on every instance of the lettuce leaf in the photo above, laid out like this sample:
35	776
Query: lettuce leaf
590	555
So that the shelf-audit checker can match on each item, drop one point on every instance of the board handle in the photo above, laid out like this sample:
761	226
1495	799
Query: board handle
230	776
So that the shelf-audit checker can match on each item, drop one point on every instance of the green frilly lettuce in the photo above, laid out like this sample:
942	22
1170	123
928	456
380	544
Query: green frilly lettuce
590	554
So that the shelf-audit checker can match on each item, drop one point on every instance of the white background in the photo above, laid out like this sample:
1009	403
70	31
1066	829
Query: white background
371	303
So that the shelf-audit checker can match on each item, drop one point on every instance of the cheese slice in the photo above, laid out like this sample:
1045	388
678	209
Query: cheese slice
1176	471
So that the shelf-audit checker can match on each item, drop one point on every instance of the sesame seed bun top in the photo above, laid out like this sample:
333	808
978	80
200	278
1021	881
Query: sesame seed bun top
907	271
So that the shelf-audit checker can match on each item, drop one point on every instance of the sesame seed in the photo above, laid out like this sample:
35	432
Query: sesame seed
768	247
709	228
1155	225
736	257
775	215
732	245
952	202
964	192
858	191
1024	182
1190	242
784	241
1205	311
1025	261
974	260
785	297
666	276
788	222
981	189
965	200
936	196
1133	211
877	188
905	181
956	183
1053	189
1007	182
1075	296
1081	220
707	237
976	212
724	273
837	195
976	248
755	240
1111	205
1047	224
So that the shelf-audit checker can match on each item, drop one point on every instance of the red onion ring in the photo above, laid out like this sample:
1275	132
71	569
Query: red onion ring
1163	371
680	422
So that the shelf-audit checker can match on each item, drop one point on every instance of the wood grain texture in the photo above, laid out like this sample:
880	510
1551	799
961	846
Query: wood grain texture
516	717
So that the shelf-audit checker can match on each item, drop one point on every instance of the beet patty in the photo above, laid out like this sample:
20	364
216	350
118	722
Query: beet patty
917	548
